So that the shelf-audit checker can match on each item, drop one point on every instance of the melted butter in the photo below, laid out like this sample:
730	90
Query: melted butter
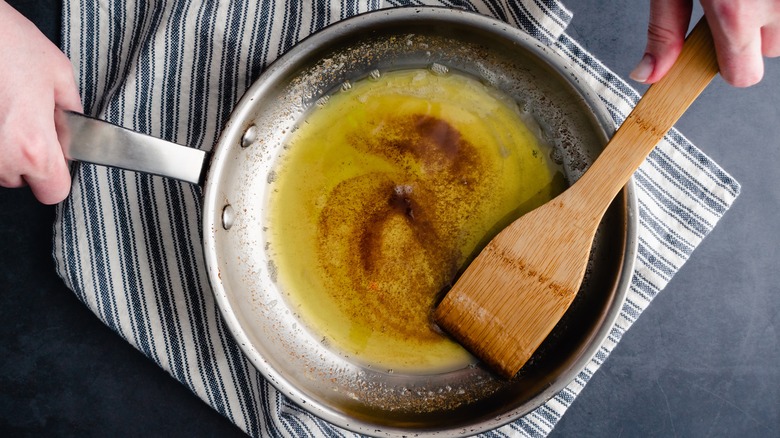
383	194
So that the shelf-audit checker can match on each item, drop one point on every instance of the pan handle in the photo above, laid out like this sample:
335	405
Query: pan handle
99	142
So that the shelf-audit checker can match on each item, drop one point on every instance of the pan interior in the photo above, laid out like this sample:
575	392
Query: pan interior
387	189
244	275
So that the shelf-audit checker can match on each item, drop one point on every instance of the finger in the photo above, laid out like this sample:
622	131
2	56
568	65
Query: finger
41	161
770	41
49	178
66	97
11	181
736	31
742	66
739	53
52	188
665	35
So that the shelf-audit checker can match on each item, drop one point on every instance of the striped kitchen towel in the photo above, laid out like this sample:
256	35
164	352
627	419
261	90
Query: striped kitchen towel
129	246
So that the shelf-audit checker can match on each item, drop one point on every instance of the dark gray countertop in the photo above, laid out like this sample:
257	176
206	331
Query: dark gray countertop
701	361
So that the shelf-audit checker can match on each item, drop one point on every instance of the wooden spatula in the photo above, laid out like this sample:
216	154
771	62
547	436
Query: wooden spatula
511	296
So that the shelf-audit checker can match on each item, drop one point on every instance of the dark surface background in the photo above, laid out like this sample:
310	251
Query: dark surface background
701	361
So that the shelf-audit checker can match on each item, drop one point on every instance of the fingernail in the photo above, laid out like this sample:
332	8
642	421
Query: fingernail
644	69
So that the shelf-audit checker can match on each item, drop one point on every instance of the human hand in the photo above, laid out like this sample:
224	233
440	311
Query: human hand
35	77
744	31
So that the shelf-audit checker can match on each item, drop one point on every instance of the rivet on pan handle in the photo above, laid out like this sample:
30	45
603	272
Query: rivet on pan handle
228	217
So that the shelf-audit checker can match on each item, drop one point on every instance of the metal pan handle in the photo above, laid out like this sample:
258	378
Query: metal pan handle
99	142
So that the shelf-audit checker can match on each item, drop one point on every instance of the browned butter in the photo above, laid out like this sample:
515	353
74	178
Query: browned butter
382	195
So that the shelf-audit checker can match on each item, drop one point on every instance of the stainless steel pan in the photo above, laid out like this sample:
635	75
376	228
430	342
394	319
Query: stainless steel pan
237	177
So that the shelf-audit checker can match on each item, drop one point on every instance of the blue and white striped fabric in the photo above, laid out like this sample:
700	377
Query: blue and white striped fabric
129	244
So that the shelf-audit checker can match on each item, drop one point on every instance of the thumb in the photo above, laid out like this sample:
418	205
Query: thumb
666	31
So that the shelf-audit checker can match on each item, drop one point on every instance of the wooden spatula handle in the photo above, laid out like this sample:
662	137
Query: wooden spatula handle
654	115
